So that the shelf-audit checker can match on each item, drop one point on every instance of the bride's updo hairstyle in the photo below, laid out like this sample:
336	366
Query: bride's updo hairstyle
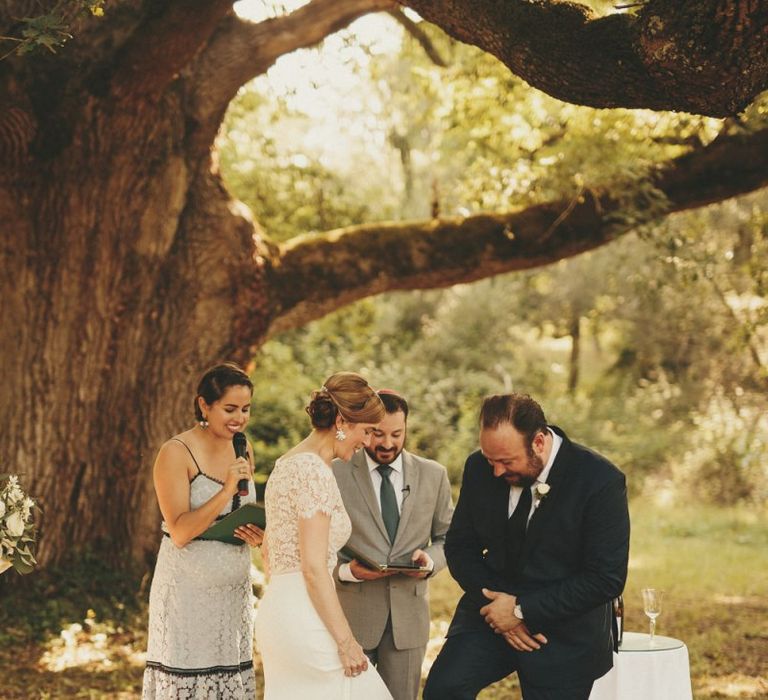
346	394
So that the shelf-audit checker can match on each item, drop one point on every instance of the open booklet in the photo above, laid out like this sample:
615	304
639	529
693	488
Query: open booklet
224	530
399	566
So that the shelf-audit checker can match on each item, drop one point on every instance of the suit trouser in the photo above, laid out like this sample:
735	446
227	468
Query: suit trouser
471	661
400	669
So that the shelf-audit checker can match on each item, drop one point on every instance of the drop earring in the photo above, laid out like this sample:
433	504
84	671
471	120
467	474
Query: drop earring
340	435
204	423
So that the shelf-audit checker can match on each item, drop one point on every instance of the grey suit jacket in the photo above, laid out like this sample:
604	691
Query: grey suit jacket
424	518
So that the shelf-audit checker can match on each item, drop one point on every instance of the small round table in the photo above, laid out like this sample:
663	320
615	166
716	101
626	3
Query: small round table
642	671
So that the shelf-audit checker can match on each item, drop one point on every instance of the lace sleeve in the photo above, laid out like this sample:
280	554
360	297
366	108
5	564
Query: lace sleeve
299	487
314	489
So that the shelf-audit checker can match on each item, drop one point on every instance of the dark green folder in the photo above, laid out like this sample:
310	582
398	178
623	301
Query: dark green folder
368	563
223	530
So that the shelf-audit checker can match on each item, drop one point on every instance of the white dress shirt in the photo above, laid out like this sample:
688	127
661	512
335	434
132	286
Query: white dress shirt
515	491
401	489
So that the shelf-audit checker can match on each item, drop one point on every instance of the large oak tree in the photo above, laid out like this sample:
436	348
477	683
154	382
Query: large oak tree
126	267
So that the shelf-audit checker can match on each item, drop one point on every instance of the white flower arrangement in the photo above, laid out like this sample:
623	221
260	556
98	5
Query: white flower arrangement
540	490
17	531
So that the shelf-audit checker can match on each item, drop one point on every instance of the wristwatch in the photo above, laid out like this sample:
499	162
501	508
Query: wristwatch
518	612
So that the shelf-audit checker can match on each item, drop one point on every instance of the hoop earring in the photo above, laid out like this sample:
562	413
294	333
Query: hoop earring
203	423
340	435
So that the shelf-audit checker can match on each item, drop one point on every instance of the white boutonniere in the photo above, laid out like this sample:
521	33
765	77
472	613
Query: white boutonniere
540	491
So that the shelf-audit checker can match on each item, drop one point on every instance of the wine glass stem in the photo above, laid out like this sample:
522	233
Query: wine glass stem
653	629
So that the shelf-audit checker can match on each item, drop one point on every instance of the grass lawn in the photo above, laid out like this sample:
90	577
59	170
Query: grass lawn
60	640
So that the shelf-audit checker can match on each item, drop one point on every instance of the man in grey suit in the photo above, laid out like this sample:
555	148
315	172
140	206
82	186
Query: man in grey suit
400	507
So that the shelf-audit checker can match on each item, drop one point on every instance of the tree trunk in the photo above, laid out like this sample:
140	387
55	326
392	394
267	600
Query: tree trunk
575	359
121	281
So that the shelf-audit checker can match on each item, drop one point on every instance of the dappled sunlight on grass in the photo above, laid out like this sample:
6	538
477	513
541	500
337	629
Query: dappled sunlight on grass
638	562
95	650
733	685
736	600
710	562
437	631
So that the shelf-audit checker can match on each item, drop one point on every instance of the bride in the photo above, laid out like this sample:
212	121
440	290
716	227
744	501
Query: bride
306	644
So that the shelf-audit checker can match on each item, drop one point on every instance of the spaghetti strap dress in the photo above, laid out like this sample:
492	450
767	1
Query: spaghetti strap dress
201	601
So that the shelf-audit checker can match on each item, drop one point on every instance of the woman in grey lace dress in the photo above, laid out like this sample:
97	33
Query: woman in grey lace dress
201	600
306	644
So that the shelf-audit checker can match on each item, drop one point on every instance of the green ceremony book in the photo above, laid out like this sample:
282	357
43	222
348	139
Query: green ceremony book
224	530
368	563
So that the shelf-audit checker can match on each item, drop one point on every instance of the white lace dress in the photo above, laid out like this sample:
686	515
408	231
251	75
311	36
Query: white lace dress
299	655
201	616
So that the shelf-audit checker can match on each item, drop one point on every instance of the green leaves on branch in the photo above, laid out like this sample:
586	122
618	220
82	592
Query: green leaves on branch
50	30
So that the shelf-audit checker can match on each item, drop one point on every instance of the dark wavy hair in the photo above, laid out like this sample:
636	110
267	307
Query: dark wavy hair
520	410
393	402
215	382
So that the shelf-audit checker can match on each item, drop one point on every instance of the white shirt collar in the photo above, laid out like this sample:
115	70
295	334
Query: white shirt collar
397	464
556	442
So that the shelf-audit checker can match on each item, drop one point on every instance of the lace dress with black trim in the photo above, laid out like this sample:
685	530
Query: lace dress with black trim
201	615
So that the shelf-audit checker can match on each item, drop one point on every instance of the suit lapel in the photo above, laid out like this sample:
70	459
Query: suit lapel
557	480
362	478
410	496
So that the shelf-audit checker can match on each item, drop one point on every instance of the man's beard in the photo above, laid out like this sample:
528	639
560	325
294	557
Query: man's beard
534	467
377	457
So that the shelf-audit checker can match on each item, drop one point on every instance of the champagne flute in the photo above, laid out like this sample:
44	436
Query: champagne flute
652	605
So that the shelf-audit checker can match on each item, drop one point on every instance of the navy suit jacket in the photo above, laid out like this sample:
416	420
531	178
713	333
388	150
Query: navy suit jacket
574	561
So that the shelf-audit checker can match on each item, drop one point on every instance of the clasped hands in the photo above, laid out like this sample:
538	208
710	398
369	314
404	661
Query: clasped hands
500	615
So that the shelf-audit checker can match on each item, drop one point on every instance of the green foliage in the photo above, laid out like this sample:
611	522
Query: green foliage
671	322
272	167
50	30
486	140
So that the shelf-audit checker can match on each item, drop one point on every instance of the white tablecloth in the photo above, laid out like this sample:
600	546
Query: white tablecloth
642	672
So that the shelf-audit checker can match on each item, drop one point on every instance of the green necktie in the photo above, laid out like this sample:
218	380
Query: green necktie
389	511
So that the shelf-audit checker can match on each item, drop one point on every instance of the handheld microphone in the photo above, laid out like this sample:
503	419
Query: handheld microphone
241	450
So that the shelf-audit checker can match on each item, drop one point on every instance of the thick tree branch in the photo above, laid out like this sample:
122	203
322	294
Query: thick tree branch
158	51
241	50
708	57
316	274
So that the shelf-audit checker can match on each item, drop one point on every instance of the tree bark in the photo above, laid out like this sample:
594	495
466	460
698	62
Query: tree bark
574	363
708	57
121	280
